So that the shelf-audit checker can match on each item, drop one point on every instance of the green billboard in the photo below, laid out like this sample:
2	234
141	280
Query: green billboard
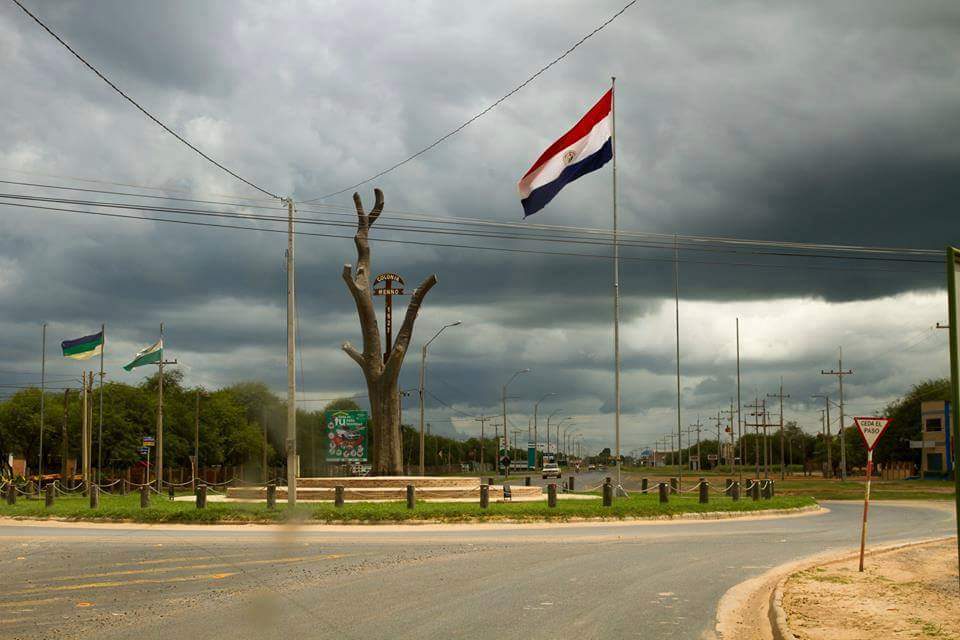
346	436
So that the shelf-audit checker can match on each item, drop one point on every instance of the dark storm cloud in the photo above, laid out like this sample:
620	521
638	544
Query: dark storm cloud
817	122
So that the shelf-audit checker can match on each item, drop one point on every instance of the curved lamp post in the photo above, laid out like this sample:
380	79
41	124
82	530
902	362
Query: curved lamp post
503	399
536	443
423	367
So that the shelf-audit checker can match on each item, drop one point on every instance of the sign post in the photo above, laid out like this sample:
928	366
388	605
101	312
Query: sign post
388	291
148	443
953	319
871	429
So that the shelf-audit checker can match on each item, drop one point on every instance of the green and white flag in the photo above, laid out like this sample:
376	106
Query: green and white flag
83	348
151	355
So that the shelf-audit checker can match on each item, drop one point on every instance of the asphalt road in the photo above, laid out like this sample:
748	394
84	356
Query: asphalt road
616	580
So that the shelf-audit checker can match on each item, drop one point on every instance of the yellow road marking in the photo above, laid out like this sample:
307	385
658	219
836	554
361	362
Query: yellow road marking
211	565
125	583
28	603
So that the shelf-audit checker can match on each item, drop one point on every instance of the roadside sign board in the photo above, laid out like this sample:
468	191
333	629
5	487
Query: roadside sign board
711	457
148	441
871	429
144	451
346	436
922	444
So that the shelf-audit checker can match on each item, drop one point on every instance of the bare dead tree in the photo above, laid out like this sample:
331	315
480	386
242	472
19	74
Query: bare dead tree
381	375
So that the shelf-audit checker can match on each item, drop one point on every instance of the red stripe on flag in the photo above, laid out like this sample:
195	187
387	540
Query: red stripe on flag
597	113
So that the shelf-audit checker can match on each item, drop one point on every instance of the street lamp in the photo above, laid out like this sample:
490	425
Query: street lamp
555	412
562	420
423	367
536	405
503	399
565	431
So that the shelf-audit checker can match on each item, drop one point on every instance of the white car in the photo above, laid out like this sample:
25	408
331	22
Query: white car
550	470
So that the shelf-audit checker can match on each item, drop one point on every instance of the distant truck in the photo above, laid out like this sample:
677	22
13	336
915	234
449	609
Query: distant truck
550	470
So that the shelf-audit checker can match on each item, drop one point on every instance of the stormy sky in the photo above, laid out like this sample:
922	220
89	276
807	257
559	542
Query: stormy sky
818	122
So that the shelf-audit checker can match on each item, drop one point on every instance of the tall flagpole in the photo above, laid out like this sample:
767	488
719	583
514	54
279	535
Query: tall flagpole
616	280
676	309
43	380
103	347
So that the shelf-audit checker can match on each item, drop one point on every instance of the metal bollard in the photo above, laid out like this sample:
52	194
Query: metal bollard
771	489
48	499
674	485
765	493
123	487
570	483
11	494
526	481
643	485
755	491
607	493
735	491
411	496
94	496
489	480
202	496
31	488
338	496
171	493
664	494
552	495
704	491
271	496
484	496
144	497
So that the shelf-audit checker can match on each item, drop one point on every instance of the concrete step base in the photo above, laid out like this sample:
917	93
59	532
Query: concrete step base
361	494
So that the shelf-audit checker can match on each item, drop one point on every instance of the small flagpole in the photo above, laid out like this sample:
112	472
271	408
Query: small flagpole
616	281
103	347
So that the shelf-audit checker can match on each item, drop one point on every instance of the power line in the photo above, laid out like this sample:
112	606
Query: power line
137	105
650	239
430	244
455	232
482	113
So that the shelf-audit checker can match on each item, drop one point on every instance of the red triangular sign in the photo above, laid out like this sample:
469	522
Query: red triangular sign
871	429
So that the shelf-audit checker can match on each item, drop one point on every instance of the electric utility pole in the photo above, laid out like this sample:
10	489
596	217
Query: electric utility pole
757	407
291	443
839	372
781	397
733	451
718	419
828	435
482	420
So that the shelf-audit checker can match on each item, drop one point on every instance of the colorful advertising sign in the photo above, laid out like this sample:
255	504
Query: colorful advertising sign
346	436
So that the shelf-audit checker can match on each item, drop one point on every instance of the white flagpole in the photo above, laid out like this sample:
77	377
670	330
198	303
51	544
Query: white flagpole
616	281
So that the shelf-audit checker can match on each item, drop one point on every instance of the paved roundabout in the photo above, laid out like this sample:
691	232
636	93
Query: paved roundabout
583	580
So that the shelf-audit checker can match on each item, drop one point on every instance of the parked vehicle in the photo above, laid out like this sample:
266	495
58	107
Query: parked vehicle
550	470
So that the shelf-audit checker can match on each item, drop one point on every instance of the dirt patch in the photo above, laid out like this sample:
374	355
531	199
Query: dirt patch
905	593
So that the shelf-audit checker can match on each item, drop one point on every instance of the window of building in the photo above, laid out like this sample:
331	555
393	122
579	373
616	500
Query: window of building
934	462
933	424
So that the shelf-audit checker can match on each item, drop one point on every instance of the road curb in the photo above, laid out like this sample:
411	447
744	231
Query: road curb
758	514
778	615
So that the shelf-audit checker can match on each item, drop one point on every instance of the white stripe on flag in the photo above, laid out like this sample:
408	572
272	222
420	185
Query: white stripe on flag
582	148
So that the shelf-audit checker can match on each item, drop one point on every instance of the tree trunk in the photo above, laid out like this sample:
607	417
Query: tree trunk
381	374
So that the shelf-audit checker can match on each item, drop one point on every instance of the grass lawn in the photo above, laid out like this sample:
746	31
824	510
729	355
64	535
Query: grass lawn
819	487
118	508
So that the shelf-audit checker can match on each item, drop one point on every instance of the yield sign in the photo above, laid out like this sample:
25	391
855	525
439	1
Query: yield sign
871	429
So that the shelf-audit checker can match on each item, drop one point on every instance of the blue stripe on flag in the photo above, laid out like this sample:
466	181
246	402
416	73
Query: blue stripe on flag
541	196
